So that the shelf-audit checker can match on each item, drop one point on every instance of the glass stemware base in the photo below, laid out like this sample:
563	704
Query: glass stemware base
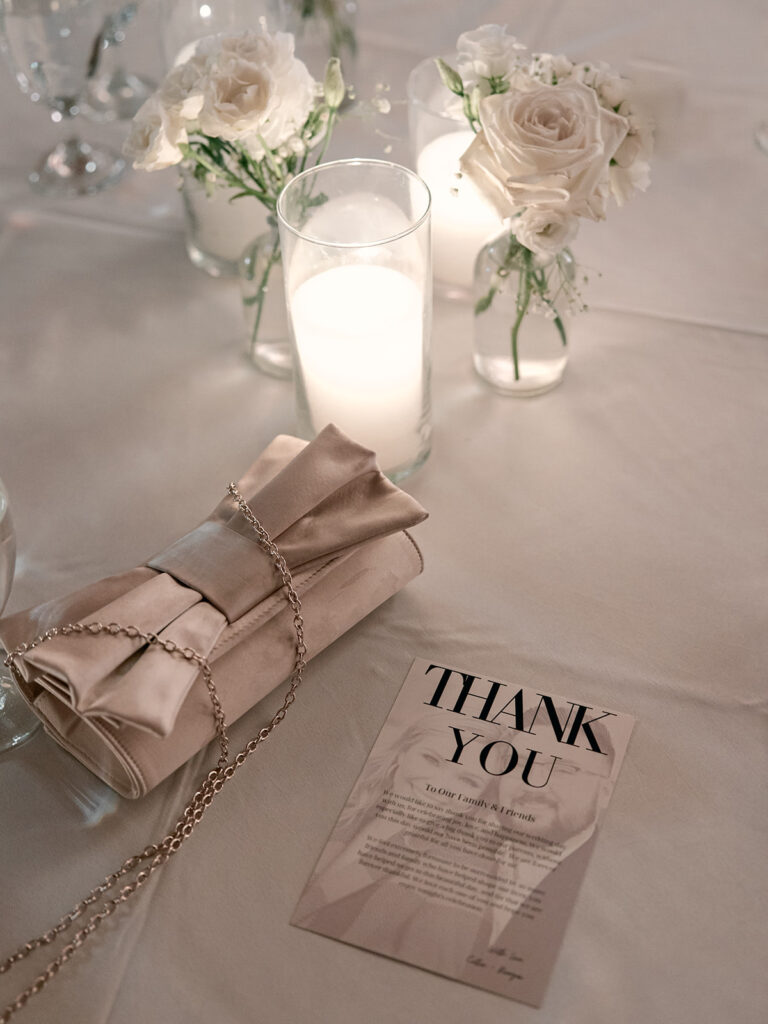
75	168
17	721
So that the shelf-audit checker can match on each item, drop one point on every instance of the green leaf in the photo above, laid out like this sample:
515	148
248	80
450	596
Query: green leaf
317	200
482	304
560	329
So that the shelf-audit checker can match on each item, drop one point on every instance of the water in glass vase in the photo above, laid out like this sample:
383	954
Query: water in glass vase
521	316
263	293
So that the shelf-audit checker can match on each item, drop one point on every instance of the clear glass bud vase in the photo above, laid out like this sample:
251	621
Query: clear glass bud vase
522	306
263	294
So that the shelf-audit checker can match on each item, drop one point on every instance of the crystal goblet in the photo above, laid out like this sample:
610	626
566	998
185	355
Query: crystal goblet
114	93
52	47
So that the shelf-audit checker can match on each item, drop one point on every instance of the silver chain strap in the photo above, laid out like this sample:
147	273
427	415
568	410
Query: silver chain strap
142	865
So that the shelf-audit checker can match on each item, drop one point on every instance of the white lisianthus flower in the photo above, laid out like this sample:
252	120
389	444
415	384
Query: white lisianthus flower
560	65
181	92
155	136
254	85
630	171
638	142
613	90
486	52
627	181
545	232
549	147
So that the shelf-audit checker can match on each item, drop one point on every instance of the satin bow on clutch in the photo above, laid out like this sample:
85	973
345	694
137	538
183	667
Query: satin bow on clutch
131	713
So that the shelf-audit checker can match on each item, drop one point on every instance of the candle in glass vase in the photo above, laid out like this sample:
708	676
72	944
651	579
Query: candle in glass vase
356	252
462	219
358	332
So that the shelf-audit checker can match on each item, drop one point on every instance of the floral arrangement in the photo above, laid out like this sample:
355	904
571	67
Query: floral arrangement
554	141
243	112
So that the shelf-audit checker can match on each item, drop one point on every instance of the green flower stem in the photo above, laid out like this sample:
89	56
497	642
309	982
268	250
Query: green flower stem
222	173
261	293
328	129
269	160
523	301
542	287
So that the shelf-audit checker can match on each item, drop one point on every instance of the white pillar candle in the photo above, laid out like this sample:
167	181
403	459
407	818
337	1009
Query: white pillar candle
359	338
462	219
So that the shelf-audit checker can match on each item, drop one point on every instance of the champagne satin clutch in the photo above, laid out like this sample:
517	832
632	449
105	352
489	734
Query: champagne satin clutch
132	714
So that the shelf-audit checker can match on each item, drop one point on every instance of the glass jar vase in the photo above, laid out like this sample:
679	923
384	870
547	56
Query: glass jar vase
522	307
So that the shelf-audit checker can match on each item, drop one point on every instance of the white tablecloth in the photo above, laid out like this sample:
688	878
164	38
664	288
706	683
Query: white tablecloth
607	540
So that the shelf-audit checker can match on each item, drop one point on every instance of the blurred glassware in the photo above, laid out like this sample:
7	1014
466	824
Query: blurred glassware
17	722
115	94
186	21
52	47
323	29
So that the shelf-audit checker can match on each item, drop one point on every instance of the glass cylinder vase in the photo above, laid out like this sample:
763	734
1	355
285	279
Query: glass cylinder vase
521	322
462	218
356	259
263	294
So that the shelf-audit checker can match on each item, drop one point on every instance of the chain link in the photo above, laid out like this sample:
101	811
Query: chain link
157	855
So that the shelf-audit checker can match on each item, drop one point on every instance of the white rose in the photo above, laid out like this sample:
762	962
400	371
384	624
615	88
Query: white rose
154	138
487	52
549	147
255	85
181	92
545	232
